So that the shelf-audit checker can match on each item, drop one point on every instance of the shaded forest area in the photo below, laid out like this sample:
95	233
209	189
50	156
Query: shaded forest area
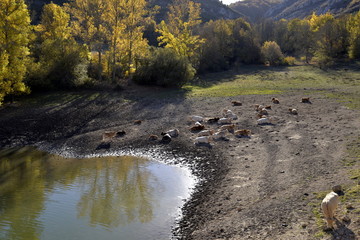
88	43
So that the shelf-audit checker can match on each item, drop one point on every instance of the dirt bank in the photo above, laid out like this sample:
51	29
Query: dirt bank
255	188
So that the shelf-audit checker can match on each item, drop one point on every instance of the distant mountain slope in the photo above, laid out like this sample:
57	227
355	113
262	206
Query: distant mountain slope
254	9
288	9
211	9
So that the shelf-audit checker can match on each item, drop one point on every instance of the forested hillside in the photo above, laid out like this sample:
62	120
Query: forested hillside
211	9
256	10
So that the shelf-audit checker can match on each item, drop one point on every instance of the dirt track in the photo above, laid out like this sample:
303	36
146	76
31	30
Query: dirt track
256	188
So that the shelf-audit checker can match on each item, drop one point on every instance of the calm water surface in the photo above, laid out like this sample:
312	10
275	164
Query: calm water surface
48	197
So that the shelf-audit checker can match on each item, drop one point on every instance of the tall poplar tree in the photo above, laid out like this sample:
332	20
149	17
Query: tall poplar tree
330	36
125	20
60	56
88	25
177	32
14	39
353	26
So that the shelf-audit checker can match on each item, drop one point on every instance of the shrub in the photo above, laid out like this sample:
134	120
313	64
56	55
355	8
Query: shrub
164	68
65	67
289	61
271	53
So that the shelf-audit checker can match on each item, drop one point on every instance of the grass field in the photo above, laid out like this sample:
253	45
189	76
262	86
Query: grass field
342	83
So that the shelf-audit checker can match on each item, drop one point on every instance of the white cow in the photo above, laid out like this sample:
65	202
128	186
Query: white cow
329	205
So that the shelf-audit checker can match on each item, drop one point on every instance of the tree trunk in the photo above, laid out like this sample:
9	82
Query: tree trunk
114	61
99	65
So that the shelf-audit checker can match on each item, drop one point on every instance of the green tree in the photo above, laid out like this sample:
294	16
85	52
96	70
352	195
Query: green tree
301	40
164	67
61	59
281	34
14	39
178	32
246	47
217	52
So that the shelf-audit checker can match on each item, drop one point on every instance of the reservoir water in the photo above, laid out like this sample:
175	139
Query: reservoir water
47	197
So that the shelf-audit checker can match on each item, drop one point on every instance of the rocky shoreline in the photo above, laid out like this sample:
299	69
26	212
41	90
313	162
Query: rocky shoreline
252	188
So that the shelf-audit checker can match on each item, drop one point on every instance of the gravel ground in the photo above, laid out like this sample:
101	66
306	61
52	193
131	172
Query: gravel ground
252	188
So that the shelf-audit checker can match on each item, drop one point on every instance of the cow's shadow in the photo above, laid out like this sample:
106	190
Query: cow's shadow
342	231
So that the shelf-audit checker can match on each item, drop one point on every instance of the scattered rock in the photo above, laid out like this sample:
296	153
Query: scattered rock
349	207
346	219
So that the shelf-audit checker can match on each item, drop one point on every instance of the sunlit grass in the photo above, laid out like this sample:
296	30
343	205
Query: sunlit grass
265	80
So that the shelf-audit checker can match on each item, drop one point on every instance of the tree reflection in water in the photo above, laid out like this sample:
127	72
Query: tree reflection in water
118	193
114	191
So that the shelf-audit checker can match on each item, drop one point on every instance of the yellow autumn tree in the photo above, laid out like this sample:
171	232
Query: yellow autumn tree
177	32
271	53
300	37
125	21
14	39
88	25
330	37
61	57
353	26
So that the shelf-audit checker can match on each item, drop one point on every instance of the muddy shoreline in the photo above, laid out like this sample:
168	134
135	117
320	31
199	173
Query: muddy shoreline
252	188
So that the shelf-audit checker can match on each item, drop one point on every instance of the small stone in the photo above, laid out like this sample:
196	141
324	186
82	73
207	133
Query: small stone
346	219
349	206
341	232
282	171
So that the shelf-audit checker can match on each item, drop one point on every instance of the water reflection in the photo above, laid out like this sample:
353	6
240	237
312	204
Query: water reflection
44	196
113	185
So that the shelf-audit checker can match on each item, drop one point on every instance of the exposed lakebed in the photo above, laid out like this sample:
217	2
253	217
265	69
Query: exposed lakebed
45	196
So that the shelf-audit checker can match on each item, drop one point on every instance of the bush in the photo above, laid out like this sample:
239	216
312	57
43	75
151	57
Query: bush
164	68
60	68
289	61
271	53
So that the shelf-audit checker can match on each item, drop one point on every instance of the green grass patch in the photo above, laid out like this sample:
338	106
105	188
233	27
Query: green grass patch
350	98
226	90
355	174
352	194
342	84
315	209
